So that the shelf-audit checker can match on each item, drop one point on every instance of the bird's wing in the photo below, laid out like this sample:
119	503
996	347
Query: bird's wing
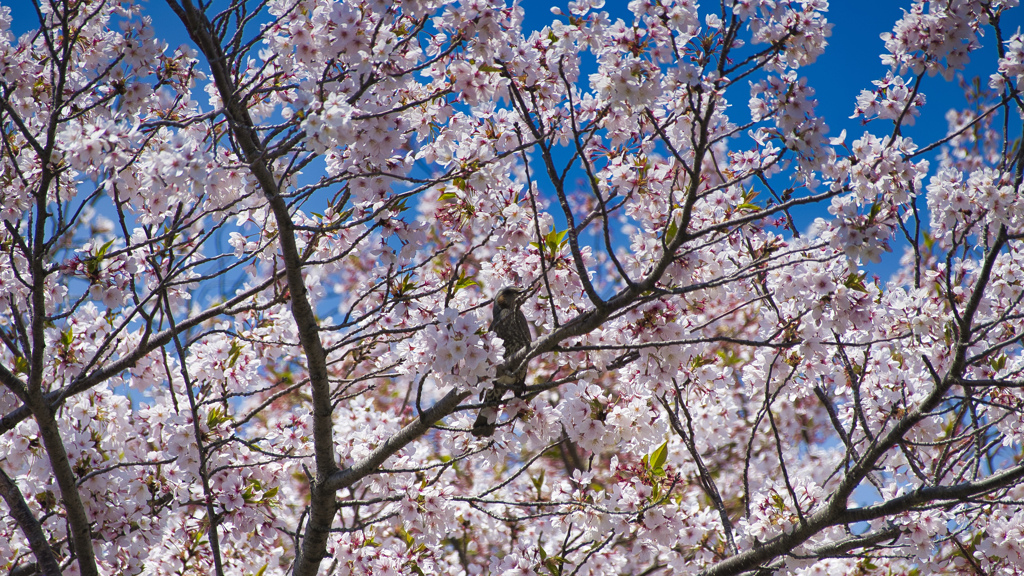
500	314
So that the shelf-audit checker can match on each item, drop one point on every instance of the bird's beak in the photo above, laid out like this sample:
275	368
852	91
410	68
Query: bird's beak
521	295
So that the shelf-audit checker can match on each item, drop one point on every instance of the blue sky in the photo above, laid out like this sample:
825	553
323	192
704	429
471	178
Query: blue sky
852	61
848	66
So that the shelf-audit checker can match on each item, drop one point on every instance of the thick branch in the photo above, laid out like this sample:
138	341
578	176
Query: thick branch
349	476
245	134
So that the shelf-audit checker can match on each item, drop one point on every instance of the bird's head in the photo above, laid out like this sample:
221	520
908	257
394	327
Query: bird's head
507	297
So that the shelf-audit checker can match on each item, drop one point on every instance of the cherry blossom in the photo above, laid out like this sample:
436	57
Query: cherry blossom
246	287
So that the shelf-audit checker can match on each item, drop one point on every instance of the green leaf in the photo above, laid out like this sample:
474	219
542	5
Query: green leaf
554	564
406	537
217	416
658	458
464	282
67	336
729	357
555	240
929	241
855	282
92	265
103	249
261	570
670	232
234	353
538	483
699	361
876	208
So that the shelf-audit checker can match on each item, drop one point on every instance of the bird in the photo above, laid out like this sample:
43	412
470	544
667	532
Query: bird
509	324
